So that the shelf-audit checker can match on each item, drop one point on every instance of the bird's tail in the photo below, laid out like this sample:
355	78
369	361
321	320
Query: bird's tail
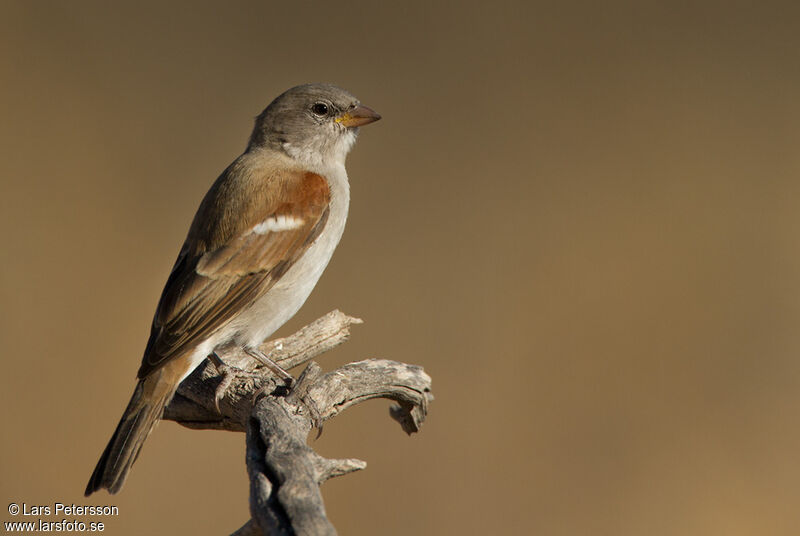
147	404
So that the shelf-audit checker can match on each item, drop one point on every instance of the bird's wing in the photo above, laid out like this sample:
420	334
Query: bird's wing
228	263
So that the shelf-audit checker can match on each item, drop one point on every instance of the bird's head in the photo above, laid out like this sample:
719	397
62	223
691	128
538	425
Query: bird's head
315	124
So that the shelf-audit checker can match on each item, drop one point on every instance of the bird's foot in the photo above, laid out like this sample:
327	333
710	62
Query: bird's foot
280	390
227	373
288	380
271	365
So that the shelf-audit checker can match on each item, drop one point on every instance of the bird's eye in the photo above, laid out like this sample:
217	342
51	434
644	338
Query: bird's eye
320	109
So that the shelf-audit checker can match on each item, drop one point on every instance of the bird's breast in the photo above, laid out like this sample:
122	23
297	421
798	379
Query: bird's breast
269	312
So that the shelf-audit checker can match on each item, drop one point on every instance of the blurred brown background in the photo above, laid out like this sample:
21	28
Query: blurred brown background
581	220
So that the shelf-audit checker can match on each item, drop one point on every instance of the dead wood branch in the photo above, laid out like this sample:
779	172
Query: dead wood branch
285	473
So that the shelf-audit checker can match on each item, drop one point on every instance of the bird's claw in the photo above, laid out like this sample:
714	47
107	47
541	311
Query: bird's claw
280	390
227	375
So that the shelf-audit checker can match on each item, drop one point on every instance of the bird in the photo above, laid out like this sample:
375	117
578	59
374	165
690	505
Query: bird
258	244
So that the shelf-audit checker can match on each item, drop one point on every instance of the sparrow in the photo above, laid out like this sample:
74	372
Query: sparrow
256	248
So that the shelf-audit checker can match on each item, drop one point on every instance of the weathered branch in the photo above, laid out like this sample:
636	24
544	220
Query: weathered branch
285	473
193	405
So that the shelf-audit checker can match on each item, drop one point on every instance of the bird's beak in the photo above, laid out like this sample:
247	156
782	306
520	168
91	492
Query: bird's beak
358	116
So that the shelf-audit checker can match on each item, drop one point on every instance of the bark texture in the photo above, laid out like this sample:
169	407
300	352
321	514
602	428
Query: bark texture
285	473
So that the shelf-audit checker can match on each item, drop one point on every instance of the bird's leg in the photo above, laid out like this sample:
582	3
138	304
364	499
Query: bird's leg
287	378
228	374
